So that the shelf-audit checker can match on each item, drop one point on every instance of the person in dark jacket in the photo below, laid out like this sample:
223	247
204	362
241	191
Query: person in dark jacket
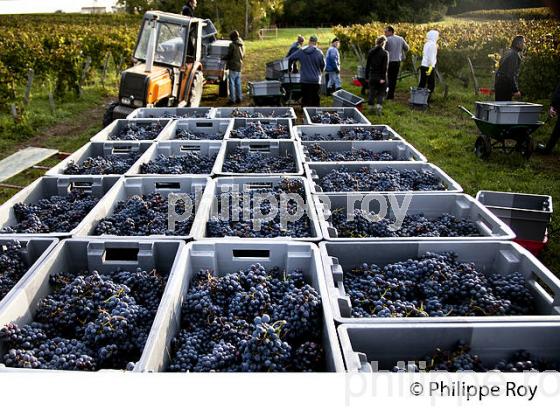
188	9
296	45
553	112
312	65
234	60
376	70
506	85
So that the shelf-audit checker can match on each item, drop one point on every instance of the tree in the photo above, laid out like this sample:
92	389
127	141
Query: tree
136	6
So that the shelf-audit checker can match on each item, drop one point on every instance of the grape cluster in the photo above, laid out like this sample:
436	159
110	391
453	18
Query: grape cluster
187	163
90	321
110	164
136	132
143	216
184	134
367	225
257	131
236	223
348	134
380	180
460	358
318	153
327	117
53	214
240	113
435	285
12	266
243	161
253	320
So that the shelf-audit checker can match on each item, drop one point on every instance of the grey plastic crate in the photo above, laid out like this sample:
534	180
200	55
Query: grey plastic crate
129	187
206	129
527	214
419	96
268	88
346	113
112	129
372	348
508	112
172	112
244	122
317	170
223	185
47	186
103	149
430	205
226	256
176	148
208	29
74	255
279	65
33	252
361	72
274	71
489	257
290	78
401	151
256	112
219	48
343	98
330	132
270	148
214	68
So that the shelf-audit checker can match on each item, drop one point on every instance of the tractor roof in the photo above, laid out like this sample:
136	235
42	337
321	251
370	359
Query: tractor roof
170	17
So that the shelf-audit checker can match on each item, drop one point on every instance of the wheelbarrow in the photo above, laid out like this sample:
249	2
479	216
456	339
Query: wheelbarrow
495	136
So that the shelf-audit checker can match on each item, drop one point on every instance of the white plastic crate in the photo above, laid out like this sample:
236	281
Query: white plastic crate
265	88
172	112
488	256
226	256
107	133
244	122
218	48
345	113
508	112
207	130
255	112
331	132
343	98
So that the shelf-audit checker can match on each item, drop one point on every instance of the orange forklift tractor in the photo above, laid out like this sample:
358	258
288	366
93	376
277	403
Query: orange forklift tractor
167	69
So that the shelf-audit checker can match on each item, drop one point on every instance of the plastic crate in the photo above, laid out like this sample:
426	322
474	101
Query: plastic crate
430	205
290	78
361	72
265	88
256	112
47	186
508	112
207	129
244	122
401	151
129	187
218	48
33	252
176	148
208	29
317	170
172	112
223	185
346	113
330	132
226	256
419	96
73	255
372	348
528	215
343	98
271	148
103	149
112	129
214	68
489	257
279	65
273	72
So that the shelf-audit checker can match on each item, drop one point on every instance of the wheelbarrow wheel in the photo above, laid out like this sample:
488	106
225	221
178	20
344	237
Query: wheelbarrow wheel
483	147
526	147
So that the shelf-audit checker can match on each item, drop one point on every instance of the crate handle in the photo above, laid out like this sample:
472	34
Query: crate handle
168	185
122	149
187	148
204	124
251	253
81	185
121	254
485	225
258	185
259	147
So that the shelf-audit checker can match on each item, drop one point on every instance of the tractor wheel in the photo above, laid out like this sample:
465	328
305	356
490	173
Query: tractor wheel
108	116
483	147
196	90
526	146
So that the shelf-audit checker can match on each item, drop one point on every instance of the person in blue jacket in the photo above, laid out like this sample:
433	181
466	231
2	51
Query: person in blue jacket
296	45
333	66
312	65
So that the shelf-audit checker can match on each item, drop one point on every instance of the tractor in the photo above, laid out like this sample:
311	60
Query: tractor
167	70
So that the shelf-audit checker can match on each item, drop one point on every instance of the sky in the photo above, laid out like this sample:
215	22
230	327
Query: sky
49	6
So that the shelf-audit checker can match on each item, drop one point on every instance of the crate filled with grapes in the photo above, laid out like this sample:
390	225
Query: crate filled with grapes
334	115
172	113
198	130
346	133
261	129
142	129
255	112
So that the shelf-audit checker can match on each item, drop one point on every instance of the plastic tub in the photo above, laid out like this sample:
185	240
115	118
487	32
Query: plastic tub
225	256
331	132
207	130
219	48
489	257
112	129
508	112
172	112
244	122
255	112
265	88
343	98
419	96
345	113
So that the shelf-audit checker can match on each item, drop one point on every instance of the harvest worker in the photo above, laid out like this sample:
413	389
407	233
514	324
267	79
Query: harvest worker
312	62
397	47
506	85
333	66
188	8
553	112
296	45
429	61
376	70
234	59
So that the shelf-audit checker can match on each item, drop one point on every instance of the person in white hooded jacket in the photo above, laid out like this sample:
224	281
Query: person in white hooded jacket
429	61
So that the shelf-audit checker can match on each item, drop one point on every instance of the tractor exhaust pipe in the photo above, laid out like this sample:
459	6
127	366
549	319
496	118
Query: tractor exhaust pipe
150	55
